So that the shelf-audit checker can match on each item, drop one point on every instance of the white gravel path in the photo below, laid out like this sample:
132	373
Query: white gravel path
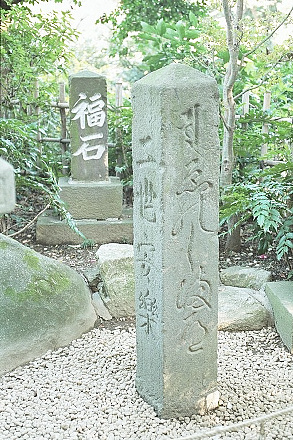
87	391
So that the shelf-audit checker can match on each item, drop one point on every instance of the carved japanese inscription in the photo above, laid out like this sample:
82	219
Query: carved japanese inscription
193	200
88	126
175	165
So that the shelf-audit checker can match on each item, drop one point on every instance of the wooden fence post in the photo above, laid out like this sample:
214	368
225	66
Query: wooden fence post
37	111
63	145
245	107
119	103
38	114
265	127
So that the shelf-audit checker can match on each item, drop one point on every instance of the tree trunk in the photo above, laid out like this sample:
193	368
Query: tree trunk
234	34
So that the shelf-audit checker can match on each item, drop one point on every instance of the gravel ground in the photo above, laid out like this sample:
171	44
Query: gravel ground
86	391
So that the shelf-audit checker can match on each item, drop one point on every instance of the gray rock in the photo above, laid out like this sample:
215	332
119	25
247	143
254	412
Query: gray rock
250	277
93	278
44	304
100	308
239	308
117	273
242	309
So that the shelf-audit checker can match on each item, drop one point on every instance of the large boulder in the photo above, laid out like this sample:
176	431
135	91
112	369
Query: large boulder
251	277
116	269
44	304
243	309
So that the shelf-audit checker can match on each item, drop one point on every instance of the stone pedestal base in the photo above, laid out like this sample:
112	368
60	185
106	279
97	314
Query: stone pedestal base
281	299
50	230
92	200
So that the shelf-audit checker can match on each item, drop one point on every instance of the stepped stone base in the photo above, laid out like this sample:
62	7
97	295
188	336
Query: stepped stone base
92	200
280	294
50	230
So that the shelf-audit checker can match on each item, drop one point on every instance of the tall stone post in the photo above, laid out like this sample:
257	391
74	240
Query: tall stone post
175	165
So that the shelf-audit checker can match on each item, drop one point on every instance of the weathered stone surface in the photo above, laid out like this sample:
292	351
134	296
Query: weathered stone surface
43	304
242	309
117	273
88	126
250	277
100	308
92	275
51	230
175	166
280	294
7	187
94	200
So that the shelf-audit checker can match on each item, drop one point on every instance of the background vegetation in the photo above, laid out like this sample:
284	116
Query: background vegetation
257	189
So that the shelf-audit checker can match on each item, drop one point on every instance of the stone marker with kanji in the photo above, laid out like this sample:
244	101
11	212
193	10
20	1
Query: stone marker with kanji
175	166
90	193
92	197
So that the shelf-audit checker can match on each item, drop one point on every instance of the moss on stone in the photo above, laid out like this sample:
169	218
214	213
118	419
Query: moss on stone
53	283
9	291
3	245
32	260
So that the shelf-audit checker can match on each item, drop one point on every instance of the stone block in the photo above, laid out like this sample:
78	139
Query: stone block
251	277
92	200
7	187
280	294
100	308
50	230
242	309
117	273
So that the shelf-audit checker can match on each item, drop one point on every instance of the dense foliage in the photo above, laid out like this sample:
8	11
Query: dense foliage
146	36
33	47
257	193
127	17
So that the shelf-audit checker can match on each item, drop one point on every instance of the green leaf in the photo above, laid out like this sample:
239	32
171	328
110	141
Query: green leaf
193	19
161	27
148	28
180	27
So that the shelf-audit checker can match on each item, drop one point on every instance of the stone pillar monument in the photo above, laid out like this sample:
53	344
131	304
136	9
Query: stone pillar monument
90	193
175	164
92	197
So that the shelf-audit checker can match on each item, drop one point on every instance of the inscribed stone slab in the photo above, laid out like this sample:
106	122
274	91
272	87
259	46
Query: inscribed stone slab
88	126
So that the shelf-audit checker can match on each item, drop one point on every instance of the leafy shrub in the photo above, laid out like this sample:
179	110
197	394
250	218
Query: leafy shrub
268	204
35	169
120	134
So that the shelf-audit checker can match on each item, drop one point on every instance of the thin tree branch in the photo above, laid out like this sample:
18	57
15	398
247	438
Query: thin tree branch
31	222
224	121
262	81
270	35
